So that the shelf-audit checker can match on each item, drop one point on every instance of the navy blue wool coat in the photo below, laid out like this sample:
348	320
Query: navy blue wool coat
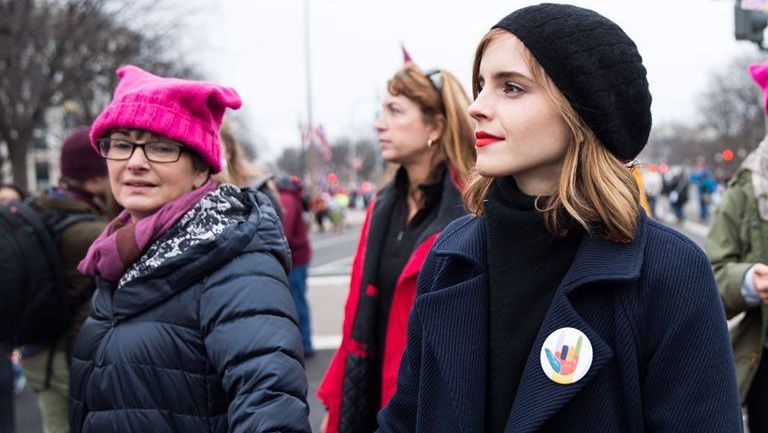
207	341
662	357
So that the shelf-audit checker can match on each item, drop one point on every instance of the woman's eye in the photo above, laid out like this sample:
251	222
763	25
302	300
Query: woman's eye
120	145
163	148
512	88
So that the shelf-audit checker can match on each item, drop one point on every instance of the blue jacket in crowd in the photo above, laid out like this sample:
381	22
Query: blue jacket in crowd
206	341
662	360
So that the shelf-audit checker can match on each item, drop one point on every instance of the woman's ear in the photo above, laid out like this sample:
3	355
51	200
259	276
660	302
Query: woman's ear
437	128
201	178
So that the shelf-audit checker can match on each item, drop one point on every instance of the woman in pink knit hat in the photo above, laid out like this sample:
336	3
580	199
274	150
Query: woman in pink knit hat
192	325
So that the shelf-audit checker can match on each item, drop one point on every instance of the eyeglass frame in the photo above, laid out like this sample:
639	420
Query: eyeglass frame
99	141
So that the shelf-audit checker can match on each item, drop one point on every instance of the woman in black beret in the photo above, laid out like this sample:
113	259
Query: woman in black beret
558	305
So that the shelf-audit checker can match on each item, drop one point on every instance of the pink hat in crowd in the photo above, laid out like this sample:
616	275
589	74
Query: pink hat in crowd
759	72
187	111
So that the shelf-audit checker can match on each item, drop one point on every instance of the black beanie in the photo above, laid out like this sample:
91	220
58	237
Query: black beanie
596	66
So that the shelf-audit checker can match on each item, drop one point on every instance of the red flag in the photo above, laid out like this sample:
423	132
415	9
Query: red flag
317	137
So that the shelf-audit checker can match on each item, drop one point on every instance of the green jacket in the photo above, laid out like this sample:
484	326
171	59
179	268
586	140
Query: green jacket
74	243
737	240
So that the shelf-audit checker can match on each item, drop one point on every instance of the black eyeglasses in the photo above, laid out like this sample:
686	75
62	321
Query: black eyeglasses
155	151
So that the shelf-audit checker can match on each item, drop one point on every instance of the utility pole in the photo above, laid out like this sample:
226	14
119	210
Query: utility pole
306	143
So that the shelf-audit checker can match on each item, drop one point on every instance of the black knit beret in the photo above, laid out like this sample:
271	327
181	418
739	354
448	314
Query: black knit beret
596	66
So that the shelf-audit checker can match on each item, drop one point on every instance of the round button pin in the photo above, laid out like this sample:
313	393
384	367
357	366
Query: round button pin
566	356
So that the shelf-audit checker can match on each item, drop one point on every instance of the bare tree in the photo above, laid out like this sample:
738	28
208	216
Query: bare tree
341	161
54	51
732	111
730	116
677	143
290	161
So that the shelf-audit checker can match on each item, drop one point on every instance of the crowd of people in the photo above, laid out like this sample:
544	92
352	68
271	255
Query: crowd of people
506	278
675	185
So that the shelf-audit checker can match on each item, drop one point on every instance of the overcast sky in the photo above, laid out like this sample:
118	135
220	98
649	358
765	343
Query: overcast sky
257	47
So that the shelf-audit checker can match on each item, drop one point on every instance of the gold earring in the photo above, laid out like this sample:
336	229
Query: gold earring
429	142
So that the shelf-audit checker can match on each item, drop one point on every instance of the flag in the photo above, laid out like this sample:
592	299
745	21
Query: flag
316	137
406	55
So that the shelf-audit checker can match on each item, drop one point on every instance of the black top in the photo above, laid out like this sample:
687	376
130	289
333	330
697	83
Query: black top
399	244
526	265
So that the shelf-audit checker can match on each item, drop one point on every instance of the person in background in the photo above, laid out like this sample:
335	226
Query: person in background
737	248
295	227
320	209
237	170
558	305
10	193
424	131
643	200
192	326
7	411
706	185
654	184
82	191
677	191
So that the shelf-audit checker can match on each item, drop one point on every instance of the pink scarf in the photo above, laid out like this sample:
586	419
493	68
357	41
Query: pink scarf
123	241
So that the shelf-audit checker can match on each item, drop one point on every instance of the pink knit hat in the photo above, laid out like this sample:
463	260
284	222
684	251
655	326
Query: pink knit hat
183	110
759	72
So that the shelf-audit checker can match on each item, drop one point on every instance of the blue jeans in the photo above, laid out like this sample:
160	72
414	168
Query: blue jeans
704	207
298	281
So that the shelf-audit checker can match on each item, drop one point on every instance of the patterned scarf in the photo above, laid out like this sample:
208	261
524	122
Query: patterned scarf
123	241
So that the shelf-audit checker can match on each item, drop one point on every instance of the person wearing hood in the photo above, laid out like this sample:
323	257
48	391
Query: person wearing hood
736	245
291	191
192	327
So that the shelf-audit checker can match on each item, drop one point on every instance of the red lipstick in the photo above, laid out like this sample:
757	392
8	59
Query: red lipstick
485	139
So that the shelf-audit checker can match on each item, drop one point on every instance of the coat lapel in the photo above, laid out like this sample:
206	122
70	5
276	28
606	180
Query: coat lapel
538	397
455	326
454	322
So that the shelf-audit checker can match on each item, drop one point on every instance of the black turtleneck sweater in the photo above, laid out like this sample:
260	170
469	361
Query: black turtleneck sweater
526	265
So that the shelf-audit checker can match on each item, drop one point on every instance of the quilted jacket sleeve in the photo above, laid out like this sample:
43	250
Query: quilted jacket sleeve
253	341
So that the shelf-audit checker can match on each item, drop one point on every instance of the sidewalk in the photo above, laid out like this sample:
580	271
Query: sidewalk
691	225
352	218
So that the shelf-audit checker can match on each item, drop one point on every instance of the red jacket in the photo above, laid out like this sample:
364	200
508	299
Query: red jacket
294	226
345	389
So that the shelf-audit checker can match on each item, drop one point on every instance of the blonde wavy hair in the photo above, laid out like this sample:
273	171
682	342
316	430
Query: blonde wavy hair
455	145
595	188
239	170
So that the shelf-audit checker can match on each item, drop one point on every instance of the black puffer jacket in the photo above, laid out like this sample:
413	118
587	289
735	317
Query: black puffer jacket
202	338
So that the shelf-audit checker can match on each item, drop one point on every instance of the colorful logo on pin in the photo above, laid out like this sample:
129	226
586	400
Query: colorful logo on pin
566	356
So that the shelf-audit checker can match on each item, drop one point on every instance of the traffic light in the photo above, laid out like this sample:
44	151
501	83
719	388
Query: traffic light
749	25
